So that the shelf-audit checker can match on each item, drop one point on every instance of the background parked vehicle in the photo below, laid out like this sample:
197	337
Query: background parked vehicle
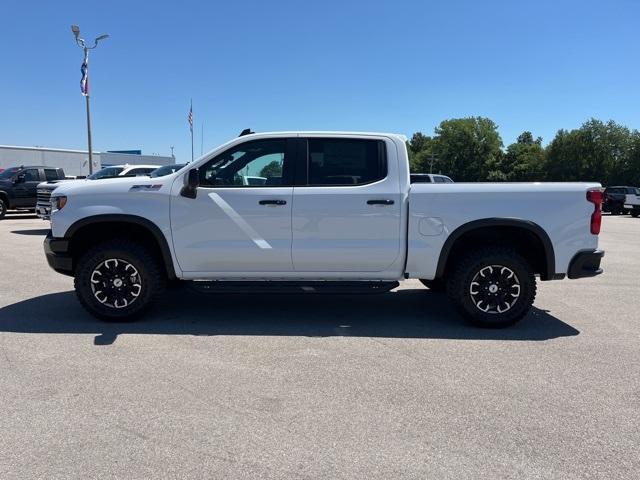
18	186
429	178
166	170
43	205
614	199
632	203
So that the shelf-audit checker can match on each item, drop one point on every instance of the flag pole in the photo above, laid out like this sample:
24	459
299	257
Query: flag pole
191	126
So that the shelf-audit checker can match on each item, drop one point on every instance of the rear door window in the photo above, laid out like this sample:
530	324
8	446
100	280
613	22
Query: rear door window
345	162
50	174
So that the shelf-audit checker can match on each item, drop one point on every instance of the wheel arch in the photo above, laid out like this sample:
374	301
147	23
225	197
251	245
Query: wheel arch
542	257
114	225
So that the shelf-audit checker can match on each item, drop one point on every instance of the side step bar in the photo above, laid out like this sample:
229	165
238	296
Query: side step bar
268	286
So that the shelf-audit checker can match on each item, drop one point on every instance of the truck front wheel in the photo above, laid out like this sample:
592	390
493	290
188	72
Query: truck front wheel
118	280
492	287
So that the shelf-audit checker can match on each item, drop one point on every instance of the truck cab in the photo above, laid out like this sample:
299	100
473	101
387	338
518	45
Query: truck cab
332	211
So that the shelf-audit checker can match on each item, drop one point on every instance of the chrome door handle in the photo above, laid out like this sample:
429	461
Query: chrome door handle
380	202
272	202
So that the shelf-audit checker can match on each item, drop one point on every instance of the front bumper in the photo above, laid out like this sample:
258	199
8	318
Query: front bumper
57	252
585	264
43	210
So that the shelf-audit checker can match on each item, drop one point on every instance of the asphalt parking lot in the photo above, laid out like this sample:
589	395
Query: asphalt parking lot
389	386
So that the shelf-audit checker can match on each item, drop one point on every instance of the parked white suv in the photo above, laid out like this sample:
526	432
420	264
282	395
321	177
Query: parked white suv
43	205
336	212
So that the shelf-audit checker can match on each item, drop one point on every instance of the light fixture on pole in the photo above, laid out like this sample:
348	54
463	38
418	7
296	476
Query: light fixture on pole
84	82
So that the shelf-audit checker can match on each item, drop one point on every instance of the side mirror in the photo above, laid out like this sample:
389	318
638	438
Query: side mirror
192	180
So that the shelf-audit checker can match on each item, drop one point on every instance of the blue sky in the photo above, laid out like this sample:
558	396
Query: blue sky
398	66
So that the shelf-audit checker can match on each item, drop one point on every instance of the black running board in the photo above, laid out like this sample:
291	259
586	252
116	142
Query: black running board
270	286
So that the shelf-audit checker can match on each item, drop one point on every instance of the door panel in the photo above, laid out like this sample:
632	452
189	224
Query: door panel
26	192
347	228
240	220
229	230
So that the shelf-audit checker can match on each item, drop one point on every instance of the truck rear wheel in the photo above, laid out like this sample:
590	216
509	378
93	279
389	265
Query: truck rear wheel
492	287
118	280
3	209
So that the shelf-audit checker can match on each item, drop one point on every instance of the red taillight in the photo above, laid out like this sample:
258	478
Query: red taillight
595	197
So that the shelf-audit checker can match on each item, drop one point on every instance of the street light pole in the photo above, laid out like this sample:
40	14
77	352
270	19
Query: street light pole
84	83
89	136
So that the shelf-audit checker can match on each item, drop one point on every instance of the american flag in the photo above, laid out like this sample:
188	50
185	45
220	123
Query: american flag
190	117
84	81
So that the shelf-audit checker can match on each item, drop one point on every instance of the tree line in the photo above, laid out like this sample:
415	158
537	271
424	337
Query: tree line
471	150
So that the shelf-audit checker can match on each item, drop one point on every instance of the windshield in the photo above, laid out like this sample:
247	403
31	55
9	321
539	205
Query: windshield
106	172
166	170
8	173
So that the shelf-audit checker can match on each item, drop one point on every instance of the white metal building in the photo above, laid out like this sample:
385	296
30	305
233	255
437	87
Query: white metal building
74	162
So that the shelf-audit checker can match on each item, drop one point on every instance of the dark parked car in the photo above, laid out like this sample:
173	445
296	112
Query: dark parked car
18	186
614	198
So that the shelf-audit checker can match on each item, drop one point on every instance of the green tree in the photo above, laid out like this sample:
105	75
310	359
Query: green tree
469	149
524	160
526	138
272	169
631	169
420	149
596	151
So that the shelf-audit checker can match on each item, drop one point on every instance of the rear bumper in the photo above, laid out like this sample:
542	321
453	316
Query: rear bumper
57	252
585	264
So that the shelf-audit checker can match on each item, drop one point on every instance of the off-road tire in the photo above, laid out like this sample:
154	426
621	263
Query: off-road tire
3	208
149	270
470	266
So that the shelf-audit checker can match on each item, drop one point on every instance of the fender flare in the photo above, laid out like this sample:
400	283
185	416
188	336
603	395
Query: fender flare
132	219
528	225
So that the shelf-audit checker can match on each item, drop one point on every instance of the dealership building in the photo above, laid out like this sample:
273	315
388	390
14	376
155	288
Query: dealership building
75	162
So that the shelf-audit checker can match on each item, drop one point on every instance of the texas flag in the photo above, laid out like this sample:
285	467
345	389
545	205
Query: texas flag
84	81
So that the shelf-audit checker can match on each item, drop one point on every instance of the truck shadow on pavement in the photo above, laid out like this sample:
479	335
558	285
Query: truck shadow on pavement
406	313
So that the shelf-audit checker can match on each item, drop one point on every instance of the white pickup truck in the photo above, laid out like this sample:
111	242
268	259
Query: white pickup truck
336	213
632	202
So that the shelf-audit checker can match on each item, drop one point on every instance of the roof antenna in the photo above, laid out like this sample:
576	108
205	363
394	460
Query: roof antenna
246	131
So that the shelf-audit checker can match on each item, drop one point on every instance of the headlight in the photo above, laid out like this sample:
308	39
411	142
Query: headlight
58	203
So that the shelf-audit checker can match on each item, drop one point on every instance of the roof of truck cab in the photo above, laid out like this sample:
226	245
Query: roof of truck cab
328	133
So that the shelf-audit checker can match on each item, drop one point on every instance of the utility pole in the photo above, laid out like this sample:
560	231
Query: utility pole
431	159
84	82
172	155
